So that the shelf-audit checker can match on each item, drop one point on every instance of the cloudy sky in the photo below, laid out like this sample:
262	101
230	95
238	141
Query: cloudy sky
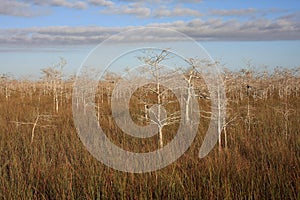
35	33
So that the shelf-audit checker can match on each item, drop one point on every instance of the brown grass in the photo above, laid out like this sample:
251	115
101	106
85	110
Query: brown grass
262	160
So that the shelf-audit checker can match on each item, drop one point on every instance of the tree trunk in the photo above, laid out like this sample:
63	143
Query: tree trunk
187	104
219	120
161	143
225	138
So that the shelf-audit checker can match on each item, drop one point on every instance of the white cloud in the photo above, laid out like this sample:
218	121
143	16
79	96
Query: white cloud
56	35
32	8
213	29
61	3
188	1
165	1
148	1
101	2
16	8
235	12
251	12
176	12
136	9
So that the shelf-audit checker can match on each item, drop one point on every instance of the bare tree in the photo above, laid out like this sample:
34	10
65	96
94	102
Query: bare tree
53	77
155	81
5	82
41	120
157	113
205	68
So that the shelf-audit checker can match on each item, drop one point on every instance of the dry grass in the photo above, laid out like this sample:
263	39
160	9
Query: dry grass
262	160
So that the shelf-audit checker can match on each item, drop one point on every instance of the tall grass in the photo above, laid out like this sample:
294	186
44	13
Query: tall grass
261	162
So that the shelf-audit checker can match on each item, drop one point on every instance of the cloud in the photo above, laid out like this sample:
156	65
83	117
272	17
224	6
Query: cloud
165	1
188	1
148	1
285	28
101	3
25	8
123	7
64	3
16	8
234	12
60	3
176	12
291	16
61	35
136	9
246	12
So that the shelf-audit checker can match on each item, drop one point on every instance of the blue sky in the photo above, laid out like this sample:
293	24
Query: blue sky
35	33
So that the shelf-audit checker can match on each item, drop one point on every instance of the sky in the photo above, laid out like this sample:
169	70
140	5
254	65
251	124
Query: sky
34	34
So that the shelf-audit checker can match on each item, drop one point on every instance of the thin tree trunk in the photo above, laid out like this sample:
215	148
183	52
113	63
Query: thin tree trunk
219	120
187	104
146	111
161	143
225	138
33	128
56	103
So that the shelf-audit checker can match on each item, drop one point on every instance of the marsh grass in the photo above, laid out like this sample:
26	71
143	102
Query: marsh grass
260	163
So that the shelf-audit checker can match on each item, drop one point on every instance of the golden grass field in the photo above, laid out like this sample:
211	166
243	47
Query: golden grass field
42	157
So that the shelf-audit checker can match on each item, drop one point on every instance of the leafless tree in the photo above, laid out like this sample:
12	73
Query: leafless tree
53	77
41	120
6	83
157	113
204	68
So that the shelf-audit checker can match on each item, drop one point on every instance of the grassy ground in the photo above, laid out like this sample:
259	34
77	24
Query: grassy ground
262	160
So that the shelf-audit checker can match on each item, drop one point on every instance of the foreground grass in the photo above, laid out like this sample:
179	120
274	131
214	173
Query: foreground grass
261	161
